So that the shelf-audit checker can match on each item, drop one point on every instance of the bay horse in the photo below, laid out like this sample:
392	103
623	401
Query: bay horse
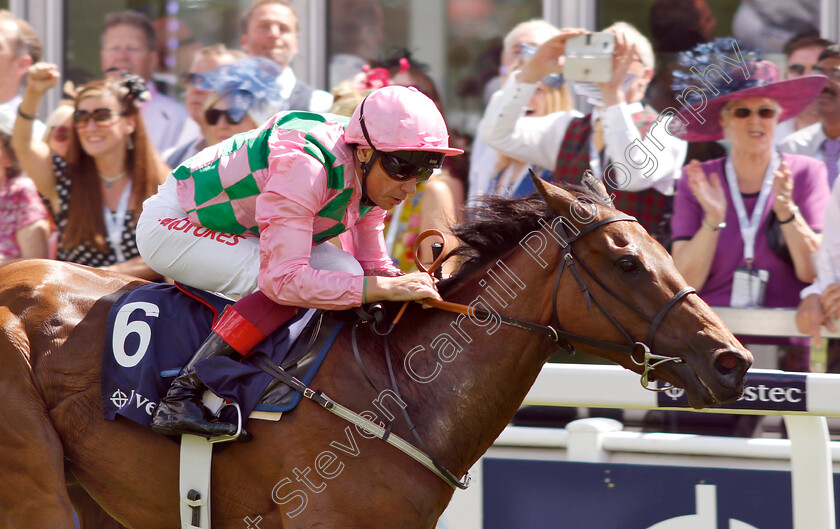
460	378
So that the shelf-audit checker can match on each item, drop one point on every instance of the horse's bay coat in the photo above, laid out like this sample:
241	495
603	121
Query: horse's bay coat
461	386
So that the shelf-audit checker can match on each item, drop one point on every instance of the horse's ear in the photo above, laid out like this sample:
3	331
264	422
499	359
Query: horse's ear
558	198
597	187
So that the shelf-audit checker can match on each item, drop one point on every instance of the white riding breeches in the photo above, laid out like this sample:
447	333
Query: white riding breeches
200	257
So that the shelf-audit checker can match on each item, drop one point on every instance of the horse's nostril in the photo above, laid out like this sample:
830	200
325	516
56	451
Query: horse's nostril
725	363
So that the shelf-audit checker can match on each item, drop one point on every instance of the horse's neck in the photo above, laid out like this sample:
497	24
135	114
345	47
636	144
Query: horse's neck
467	376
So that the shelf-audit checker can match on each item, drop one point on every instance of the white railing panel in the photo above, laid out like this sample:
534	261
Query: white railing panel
596	386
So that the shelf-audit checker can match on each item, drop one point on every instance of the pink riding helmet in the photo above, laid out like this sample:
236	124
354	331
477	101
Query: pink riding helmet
400	118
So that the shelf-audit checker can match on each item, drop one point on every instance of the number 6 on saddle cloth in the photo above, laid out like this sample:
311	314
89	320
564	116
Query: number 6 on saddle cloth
152	333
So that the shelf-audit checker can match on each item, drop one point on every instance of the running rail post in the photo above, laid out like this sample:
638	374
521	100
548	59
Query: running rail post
812	483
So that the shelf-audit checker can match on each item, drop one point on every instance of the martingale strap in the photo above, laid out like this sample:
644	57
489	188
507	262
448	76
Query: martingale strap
441	470
318	397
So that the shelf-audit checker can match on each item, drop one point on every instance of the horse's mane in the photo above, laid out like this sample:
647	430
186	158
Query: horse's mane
496	225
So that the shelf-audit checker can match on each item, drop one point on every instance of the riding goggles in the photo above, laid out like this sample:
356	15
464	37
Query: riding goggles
234	116
405	165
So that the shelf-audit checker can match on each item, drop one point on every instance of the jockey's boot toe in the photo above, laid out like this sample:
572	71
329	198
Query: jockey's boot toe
178	417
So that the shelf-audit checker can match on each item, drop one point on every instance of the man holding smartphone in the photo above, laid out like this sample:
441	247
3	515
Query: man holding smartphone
621	141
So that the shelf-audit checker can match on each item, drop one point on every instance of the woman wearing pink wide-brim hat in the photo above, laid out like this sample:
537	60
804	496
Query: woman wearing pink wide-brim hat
745	226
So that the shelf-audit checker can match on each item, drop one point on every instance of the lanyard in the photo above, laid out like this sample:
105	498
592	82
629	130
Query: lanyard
749	227
115	223
594	155
595	158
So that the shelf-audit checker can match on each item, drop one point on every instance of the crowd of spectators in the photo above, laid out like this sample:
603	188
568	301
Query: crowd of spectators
693	189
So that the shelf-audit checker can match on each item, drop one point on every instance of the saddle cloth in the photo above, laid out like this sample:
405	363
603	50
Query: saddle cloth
154	330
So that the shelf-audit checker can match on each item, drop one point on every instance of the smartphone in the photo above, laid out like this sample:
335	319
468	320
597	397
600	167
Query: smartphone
588	58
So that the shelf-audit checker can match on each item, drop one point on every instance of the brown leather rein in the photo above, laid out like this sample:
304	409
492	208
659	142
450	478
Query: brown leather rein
561	337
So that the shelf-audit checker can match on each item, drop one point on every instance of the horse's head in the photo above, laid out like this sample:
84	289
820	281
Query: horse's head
618	285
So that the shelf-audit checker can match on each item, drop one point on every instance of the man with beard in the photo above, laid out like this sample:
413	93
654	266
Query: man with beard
822	140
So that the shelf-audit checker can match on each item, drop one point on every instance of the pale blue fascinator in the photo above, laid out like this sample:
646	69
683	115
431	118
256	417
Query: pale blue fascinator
251	86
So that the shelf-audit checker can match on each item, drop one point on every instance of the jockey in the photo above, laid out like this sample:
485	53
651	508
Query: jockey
252	217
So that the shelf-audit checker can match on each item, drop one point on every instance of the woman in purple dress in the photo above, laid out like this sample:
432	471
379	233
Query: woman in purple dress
745	226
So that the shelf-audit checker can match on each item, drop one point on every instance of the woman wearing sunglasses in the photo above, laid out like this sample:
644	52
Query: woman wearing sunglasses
58	125
252	216
110	167
745	226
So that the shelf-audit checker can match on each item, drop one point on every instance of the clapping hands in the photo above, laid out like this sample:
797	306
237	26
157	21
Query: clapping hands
709	192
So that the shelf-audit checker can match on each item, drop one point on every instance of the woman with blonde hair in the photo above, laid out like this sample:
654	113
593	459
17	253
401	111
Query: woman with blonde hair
58	126
512	177
111	166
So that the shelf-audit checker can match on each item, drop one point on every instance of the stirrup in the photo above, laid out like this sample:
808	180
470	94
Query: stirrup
216	408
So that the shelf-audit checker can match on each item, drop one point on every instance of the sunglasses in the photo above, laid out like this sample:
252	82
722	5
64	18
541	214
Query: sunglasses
191	78
234	116
101	116
763	113
833	74
400	166
61	133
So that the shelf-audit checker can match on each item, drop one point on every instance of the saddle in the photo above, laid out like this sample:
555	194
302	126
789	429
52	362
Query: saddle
302	362
154	330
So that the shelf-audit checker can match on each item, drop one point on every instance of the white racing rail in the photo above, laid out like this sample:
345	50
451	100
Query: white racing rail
804	399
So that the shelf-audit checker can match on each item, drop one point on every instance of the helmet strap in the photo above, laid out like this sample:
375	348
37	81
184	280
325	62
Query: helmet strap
366	167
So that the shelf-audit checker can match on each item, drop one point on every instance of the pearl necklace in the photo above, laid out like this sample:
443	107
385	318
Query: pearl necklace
110	180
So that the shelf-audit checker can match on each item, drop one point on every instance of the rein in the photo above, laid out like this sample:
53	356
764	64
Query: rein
649	361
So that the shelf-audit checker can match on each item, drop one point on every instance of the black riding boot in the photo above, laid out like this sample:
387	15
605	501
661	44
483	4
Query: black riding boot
181	411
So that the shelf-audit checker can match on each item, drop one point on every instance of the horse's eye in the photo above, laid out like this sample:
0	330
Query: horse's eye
629	264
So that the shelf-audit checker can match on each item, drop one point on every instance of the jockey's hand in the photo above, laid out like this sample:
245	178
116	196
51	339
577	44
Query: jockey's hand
417	285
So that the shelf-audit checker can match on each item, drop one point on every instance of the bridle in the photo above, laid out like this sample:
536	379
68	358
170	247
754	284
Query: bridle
650	361
565	339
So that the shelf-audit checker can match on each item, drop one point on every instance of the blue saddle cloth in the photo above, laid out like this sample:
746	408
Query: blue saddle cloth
153	332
